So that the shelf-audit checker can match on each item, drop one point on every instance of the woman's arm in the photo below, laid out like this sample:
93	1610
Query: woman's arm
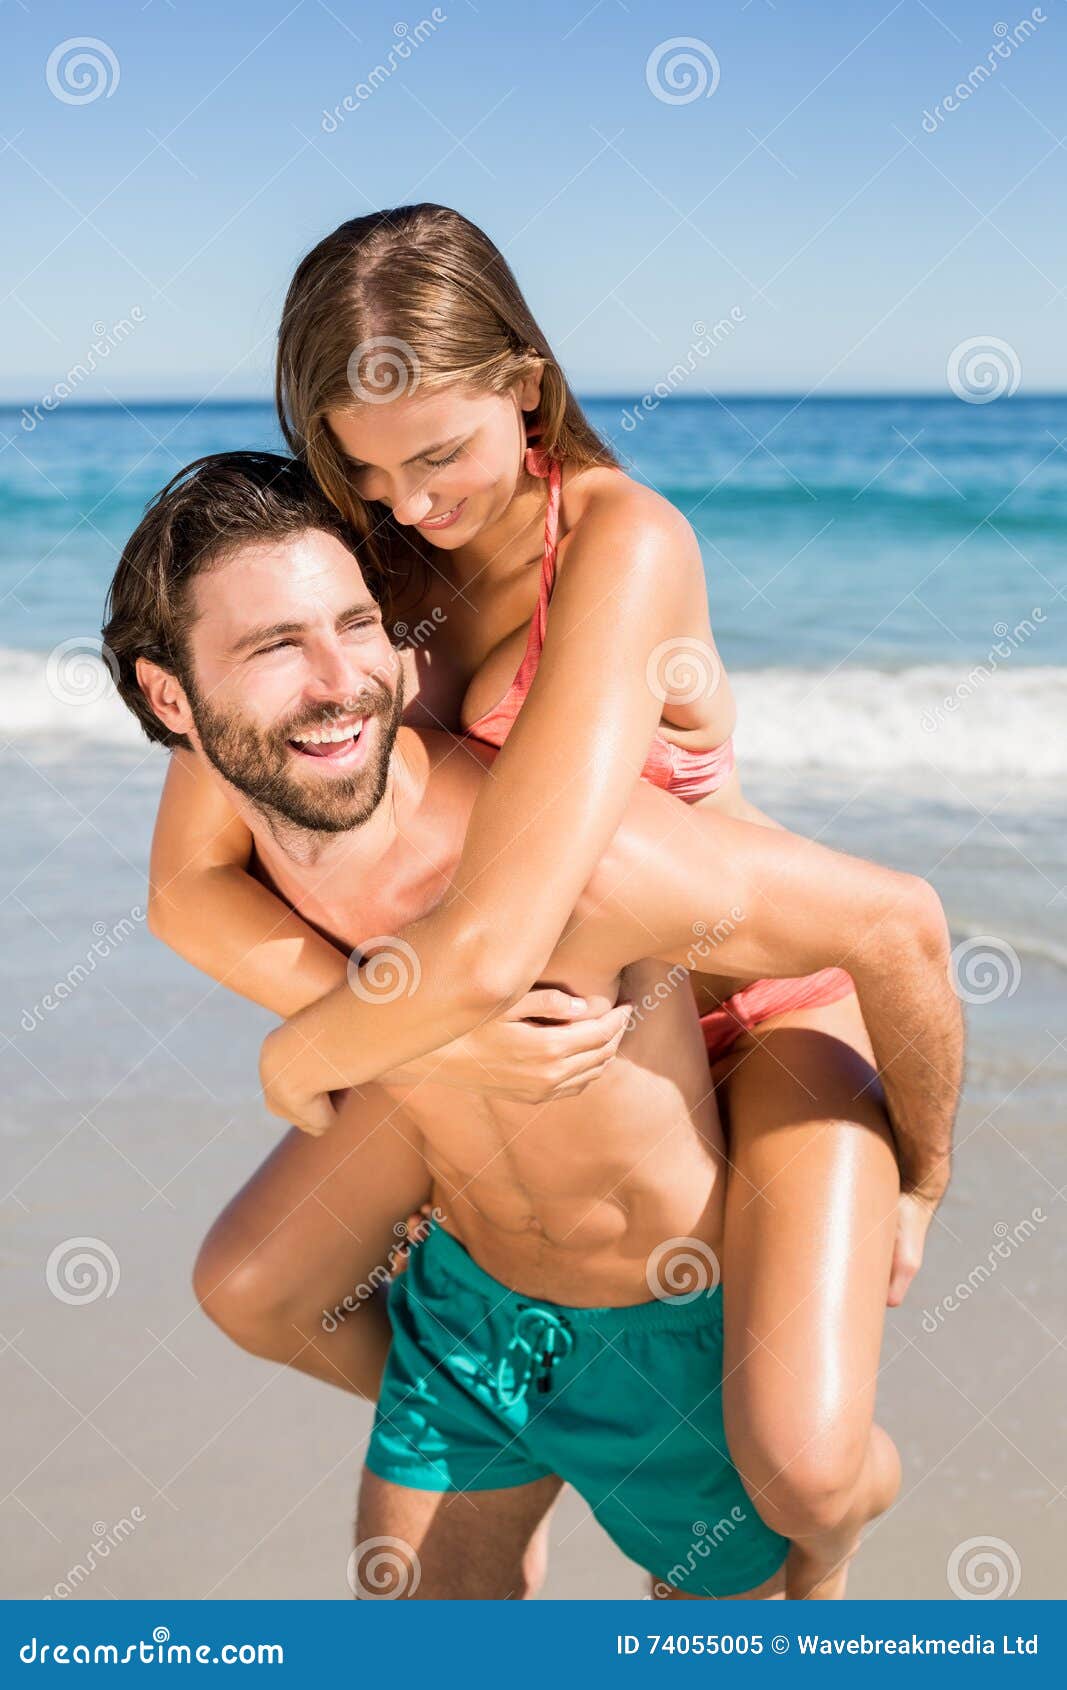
632	579
204	904
751	902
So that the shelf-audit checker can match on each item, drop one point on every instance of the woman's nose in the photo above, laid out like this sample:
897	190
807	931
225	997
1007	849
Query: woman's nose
414	508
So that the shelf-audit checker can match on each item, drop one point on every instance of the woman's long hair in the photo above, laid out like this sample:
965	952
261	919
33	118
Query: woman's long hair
417	297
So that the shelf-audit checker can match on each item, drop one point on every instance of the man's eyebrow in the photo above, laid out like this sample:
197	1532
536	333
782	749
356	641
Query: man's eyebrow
427	451
276	630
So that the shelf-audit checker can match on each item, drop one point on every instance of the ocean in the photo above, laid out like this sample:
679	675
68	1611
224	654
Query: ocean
886	579
866	560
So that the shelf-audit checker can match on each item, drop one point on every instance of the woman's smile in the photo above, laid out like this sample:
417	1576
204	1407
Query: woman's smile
445	520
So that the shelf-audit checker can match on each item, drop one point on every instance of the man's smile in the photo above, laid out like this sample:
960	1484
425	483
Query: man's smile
338	744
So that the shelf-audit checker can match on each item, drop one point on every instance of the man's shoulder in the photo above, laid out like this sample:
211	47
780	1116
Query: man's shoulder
449	772
437	752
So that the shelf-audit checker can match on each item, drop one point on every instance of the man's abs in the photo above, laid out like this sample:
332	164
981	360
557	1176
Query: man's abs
568	1201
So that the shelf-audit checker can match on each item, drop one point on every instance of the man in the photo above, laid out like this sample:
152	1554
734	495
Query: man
563	1319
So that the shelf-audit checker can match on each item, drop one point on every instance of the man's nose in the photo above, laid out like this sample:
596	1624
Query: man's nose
337	672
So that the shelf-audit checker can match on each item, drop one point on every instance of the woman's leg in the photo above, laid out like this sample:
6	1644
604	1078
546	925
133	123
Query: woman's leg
810	1221
316	1225
290	1269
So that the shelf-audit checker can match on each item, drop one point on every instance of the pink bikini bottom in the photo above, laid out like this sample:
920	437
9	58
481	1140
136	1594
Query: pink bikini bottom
764	998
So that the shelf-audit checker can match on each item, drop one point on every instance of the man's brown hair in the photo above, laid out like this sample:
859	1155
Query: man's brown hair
200	518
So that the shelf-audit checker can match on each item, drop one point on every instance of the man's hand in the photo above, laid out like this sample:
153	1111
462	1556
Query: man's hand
416	1231
914	1214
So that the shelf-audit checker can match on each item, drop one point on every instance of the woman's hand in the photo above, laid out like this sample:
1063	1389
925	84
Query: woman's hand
543	1049
313	1112
518	1057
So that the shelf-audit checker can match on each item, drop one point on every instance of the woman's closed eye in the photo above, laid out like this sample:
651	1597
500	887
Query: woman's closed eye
431	463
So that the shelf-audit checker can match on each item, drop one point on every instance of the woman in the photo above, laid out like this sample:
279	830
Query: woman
413	378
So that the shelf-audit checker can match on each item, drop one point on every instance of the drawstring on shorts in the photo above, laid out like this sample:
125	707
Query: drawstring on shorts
539	1340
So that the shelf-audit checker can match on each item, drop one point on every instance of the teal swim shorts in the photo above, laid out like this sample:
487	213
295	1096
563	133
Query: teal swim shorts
485	1389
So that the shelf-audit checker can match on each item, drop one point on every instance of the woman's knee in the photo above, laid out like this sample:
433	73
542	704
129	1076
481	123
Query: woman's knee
240	1291
807	1498
801	1487
822	1489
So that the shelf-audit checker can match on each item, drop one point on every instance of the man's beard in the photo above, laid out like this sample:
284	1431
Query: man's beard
260	764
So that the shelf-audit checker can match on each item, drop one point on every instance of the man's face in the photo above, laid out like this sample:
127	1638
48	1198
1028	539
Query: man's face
294	688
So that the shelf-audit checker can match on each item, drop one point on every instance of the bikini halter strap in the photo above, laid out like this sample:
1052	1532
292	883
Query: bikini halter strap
548	469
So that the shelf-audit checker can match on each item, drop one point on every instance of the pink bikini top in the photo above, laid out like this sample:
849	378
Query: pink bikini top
688	774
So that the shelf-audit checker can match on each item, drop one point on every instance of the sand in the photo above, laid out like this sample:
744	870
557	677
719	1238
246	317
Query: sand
145	1449
238	1478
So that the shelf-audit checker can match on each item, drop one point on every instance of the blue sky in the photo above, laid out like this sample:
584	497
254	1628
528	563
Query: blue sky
804	194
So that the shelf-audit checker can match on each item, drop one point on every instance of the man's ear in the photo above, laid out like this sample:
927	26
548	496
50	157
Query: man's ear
165	695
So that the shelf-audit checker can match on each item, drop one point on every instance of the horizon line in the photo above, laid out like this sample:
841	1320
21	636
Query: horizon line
212	402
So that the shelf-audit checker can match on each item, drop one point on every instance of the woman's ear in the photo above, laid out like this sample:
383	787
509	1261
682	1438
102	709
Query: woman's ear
530	389
165	695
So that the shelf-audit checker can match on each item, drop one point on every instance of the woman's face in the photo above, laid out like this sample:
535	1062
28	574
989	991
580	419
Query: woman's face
446	463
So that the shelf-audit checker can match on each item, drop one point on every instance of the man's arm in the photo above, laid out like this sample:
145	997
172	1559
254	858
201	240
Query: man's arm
726	897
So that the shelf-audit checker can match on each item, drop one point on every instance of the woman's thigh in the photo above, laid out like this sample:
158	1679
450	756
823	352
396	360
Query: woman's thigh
810	1222
319	1216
